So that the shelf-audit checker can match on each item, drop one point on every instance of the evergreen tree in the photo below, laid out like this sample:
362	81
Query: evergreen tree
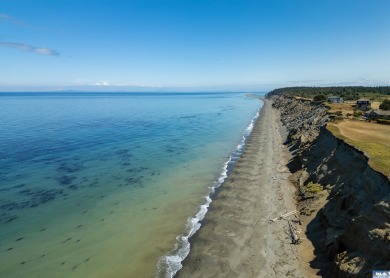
320	97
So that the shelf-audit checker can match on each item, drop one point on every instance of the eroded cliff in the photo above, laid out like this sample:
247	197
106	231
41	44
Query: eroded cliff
355	220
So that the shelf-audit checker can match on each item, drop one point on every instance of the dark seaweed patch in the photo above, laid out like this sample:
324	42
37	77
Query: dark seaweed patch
19	176
122	152
188	117
176	150
134	181
10	206
12	218
93	184
124	156
136	170
5	189
70	168
37	196
66	180
6	217
13	187
73	186
19	185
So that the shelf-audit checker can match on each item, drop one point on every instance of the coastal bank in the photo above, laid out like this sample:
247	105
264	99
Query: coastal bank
343	202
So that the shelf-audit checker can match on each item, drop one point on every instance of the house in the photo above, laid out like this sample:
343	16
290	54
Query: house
367	113
363	104
335	99
379	114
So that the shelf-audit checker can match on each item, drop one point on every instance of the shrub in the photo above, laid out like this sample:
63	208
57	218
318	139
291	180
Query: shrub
385	105
383	122
319	97
313	188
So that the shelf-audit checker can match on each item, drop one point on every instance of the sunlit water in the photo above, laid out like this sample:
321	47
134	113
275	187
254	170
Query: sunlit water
100	185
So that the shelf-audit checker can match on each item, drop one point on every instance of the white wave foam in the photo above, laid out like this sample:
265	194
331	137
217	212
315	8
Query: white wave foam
169	264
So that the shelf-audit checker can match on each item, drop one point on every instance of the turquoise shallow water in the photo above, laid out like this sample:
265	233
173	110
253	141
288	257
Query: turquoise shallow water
100	185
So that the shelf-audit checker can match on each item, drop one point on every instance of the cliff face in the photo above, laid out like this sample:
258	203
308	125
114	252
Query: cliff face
356	217
303	119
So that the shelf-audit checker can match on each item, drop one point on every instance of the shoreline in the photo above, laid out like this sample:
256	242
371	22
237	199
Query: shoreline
236	239
169	264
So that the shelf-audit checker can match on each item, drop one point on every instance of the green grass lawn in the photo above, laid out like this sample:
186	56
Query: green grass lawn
378	153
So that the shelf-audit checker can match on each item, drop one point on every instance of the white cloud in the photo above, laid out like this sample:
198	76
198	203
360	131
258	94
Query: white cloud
30	48
13	20
102	83
5	16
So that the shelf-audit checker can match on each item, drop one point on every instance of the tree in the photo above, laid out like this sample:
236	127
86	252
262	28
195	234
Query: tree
319	97
385	105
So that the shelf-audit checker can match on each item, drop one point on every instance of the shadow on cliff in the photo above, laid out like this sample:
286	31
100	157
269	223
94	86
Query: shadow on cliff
353	219
316	234
303	168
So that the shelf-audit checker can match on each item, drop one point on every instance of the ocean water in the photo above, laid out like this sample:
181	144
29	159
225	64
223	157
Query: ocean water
111	185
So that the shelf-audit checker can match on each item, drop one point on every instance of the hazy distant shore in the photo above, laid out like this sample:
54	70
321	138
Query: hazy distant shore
236	238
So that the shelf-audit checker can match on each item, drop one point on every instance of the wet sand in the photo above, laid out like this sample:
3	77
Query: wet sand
236	238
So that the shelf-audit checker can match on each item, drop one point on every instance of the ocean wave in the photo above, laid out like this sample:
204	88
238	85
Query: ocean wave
169	264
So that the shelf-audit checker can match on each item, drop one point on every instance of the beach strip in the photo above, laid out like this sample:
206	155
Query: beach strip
236	238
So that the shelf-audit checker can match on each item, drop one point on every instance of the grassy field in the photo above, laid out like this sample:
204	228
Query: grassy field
347	108
371	138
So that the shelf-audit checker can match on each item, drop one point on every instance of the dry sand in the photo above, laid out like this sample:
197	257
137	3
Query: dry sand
236	238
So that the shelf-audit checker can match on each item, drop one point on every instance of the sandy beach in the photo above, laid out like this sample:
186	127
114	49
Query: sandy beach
236	238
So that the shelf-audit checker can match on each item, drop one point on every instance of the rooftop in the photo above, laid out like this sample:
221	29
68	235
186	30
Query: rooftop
381	112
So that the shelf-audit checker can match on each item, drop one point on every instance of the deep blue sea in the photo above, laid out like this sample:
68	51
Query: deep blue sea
111	184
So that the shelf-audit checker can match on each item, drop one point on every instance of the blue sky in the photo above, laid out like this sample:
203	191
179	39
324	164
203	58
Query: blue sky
192	45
